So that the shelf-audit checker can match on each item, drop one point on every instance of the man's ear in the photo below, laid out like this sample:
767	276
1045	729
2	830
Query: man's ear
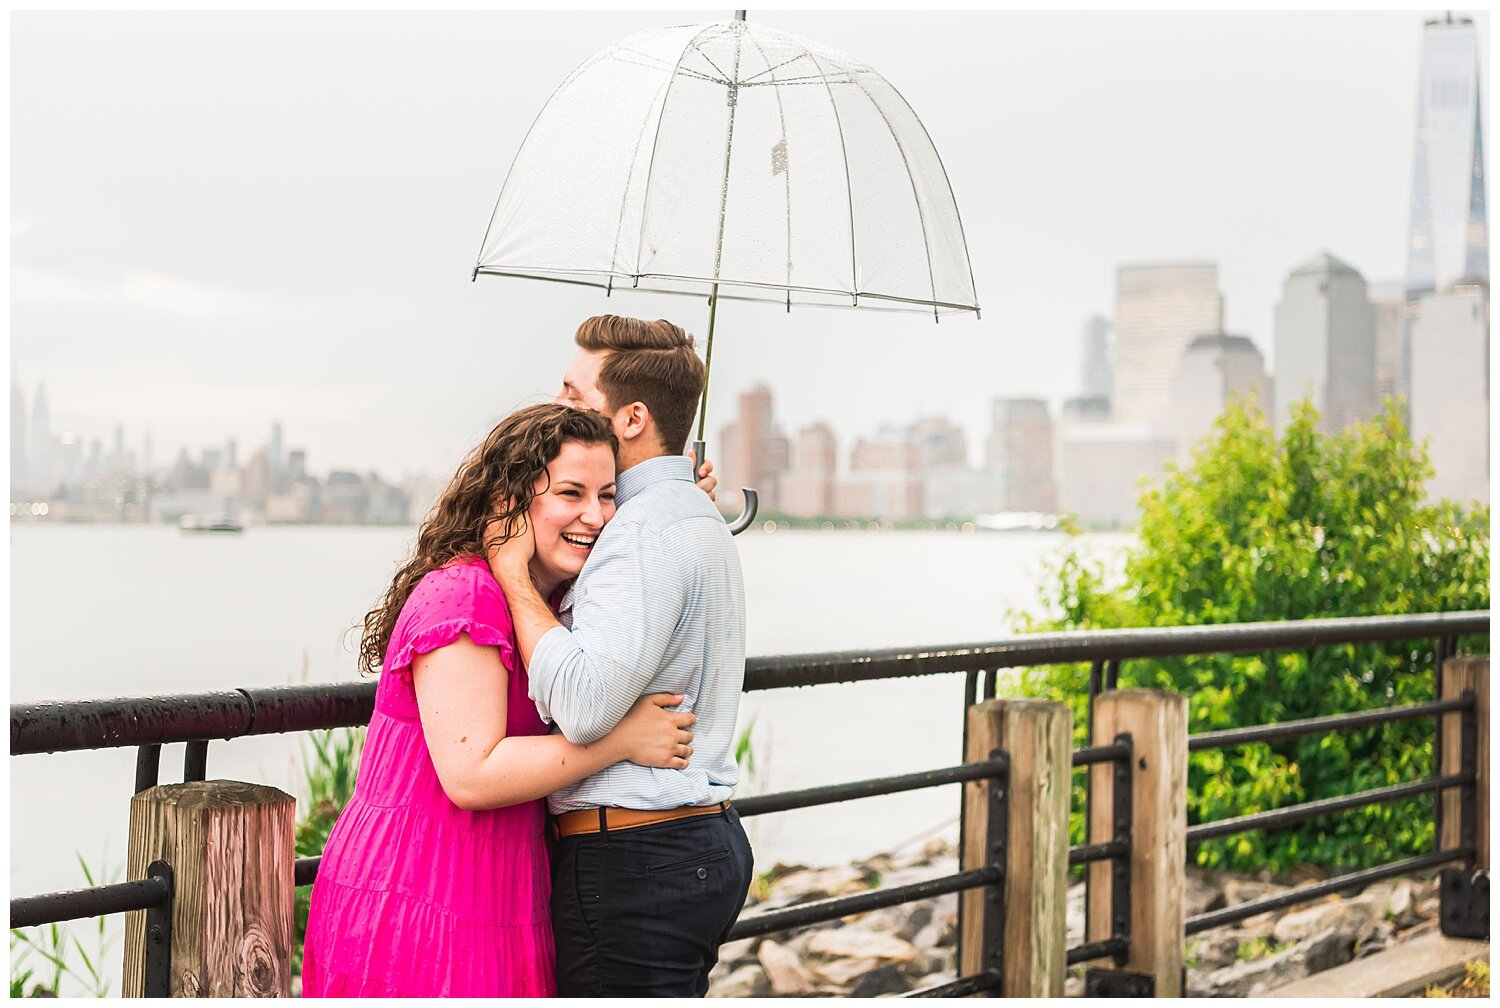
633	421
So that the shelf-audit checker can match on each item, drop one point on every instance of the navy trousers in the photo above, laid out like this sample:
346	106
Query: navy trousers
642	912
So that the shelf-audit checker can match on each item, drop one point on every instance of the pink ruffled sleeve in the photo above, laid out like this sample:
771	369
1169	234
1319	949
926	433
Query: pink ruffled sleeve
460	598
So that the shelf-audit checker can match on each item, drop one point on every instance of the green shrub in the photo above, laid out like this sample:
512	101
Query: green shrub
1303	526
329	777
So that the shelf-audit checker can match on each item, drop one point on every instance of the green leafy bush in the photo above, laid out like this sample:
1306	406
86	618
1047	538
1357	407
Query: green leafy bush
1308	525
329	778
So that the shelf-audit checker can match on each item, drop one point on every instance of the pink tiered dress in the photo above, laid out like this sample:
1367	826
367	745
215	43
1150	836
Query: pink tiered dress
416	897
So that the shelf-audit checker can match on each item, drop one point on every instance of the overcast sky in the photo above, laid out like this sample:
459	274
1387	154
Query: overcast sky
221	220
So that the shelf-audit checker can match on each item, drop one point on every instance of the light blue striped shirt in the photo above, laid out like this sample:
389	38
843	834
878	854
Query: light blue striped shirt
658	608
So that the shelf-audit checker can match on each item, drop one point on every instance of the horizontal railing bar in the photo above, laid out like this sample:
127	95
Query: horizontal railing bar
777	671
64	726
962	987
305	870
1098	852
843	906
59	726
1312	726
1241	911
1098	949
782	801
1101	754
52	908
1324	806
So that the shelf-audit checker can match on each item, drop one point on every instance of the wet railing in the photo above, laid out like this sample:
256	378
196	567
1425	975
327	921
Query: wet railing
198	719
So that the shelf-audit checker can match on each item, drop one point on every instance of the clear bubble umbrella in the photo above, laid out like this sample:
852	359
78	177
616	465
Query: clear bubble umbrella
737	162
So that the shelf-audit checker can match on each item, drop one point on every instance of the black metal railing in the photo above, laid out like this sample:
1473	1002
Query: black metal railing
196	719
1290	815
1116	851
991	876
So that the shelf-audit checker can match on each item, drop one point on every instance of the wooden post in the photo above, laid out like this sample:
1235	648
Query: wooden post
1157	725
1038	736
231	849
1460	676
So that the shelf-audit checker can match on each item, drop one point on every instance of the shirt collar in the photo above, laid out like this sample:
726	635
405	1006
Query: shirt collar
660	469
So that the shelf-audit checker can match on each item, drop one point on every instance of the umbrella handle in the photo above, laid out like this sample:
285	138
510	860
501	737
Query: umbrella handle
752	499
744	521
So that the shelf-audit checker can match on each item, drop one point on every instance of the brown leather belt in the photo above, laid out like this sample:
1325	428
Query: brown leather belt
601	820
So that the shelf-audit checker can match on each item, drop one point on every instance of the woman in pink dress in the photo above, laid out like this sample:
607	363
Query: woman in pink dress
435	881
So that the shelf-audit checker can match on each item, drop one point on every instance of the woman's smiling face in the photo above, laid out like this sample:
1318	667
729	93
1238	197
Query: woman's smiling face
572	502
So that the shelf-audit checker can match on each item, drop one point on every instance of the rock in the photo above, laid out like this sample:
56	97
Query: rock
1271	971
1327	949
1075	914
1215	951
786	974
1073	986
1201	893
856	943
843	972
940	933
736	953
1401	905
805	886
886	979
918	916
747	981
1359	914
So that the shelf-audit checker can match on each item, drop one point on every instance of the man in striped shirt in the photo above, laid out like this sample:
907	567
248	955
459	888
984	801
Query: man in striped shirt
651	866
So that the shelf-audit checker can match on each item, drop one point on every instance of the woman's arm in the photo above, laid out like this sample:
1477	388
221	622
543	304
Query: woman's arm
461	698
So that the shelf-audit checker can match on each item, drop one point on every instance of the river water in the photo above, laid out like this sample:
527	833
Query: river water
108	610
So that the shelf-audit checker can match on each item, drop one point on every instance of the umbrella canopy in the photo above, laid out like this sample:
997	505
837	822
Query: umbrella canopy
736	160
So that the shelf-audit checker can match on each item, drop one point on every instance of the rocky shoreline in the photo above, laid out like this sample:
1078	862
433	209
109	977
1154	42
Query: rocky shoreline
899	949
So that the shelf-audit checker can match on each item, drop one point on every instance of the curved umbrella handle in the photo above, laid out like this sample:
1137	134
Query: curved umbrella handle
752	501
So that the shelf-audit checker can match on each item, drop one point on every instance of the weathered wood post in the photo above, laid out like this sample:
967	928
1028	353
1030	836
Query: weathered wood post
1157	725
1033	917
1460	676
231	849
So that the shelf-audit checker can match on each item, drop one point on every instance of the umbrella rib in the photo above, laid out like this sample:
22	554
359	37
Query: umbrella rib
546	273
787	170
655	139
838	122
963	239
751	80
911	179
614	252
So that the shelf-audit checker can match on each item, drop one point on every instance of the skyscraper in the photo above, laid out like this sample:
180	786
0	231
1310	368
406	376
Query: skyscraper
1215	369
1448	239
1159	309
1450	390
1325	344
42	454
1098	377
1019	453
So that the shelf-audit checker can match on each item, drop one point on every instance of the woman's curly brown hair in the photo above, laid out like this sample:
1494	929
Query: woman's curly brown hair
495	481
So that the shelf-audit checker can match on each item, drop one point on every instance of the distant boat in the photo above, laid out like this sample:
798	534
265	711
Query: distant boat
209	523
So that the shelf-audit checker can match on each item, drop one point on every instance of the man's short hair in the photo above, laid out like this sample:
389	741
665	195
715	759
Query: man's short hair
649	362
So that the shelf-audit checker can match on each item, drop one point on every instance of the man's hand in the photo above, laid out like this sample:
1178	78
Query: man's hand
510	560
706	479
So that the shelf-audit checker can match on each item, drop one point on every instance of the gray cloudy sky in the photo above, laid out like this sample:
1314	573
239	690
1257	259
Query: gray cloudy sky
221	220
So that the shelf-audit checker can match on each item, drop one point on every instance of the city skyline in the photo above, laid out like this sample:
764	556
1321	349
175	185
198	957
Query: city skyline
201	258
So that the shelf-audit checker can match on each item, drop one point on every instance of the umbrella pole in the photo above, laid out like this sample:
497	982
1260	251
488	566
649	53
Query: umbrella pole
708	361
752	503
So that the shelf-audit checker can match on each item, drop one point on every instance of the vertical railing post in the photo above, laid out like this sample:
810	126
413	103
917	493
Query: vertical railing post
1032	927
1157	725
1460	676
230	848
